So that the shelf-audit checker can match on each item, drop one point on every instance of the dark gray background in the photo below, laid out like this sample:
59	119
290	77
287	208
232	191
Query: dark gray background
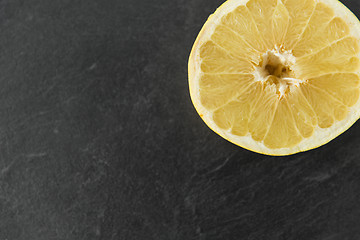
99	138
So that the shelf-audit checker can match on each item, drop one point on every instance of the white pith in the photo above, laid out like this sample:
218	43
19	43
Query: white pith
321	135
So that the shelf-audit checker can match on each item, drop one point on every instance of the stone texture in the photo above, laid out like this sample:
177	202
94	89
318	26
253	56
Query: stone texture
99	138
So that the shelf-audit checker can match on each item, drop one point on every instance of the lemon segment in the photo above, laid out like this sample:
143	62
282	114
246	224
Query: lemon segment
241	22
303	114
299	12
282	132
339	57
262	112
218	89
233	43
342	86
320	18
217	60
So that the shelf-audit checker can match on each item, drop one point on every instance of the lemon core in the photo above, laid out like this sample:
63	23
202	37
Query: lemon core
276	68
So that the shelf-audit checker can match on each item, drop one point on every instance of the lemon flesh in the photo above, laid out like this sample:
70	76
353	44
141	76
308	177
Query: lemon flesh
277	76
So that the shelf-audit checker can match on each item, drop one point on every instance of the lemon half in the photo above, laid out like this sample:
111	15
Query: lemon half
277	76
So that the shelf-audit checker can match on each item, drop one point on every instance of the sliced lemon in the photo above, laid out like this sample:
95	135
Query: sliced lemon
277	76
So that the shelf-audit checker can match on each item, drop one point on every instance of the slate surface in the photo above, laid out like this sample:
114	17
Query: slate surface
99	139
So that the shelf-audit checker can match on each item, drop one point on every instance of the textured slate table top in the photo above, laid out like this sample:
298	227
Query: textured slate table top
99	138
